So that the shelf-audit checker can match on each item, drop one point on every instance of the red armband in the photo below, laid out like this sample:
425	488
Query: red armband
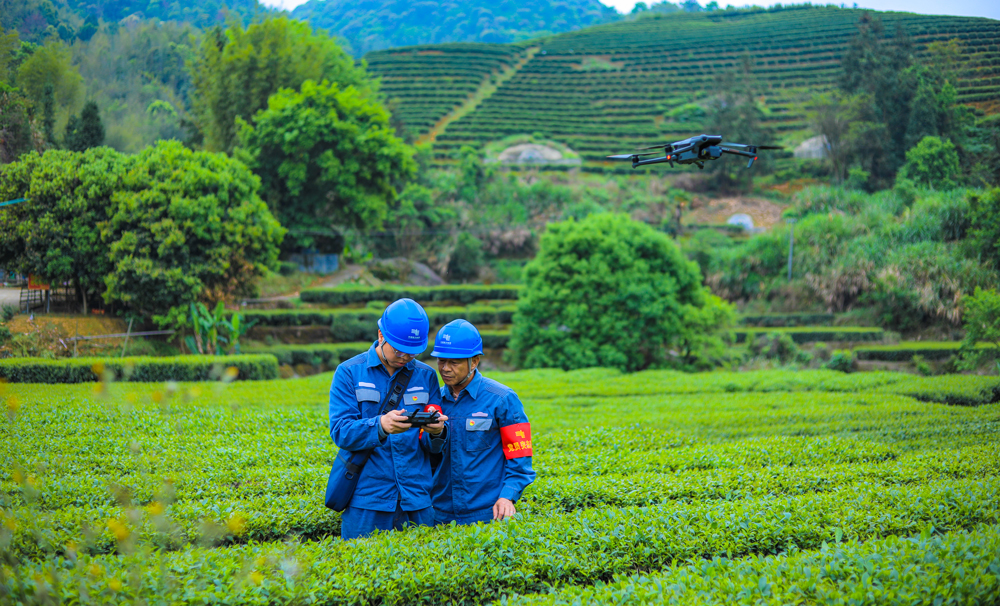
516	440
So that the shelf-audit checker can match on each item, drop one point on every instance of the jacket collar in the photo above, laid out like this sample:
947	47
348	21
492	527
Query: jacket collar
472	388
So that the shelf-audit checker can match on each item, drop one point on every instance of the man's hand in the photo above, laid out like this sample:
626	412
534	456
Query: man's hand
394	421
503	509
436	428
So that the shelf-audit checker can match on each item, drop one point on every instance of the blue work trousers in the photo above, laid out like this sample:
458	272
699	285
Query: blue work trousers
356	522
446	517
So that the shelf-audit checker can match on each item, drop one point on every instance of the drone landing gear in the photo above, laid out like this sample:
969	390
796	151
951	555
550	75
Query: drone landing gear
700	165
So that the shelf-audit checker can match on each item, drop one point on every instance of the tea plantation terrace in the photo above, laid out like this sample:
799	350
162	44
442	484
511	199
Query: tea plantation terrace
637	78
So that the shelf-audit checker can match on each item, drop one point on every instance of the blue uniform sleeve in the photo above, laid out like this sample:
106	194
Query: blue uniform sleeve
430	443
517	472
347	428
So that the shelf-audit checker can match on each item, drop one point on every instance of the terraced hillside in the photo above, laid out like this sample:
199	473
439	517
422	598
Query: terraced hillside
600	89
430	81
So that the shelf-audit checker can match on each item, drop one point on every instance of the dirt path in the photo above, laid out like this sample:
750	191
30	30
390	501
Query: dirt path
485	91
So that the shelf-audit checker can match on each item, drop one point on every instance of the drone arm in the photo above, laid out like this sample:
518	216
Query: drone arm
740	152
636	163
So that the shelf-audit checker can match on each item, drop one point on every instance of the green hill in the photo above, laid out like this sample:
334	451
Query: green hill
369	25
604	88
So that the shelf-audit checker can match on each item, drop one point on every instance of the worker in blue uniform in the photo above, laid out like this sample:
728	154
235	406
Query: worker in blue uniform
486	460
394	487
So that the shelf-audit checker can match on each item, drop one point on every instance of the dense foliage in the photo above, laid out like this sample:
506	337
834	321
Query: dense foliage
607	291
188	227
57	235
236	69
909	255
371	25
713	481
152	231
139	79
328	161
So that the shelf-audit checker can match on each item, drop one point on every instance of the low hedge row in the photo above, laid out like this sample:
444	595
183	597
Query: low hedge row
256	367
344	295
332	354
904	352
781	320
811	334
360	324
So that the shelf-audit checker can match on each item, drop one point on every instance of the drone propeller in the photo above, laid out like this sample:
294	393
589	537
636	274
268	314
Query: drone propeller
660	146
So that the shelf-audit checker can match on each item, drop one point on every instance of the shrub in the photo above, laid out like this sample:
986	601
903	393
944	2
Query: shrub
932	163
7	313
605	291
466	258
984	225
982	323
778	346
841	360
179	368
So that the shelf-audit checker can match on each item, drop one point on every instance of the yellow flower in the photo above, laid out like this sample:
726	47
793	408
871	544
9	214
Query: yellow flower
236	523
256	577
118	529
157	396
98	389
11	524
94	570
231	373
155	508
13	404
259	561
98	369
194	392
18	478
115	585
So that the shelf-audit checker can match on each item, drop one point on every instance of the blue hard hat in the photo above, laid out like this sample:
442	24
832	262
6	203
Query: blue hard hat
456	340
404	325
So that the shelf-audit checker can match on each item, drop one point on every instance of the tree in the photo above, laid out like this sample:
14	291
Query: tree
880	86
86	131
327	159
237	69
49	72
188	226
56	234
932	163
605	291
17	136
738	114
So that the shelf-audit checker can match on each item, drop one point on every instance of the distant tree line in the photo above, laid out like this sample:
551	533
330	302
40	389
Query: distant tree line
894	116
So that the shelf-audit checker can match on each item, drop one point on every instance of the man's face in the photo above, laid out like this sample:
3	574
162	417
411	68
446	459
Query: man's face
454	370
393	359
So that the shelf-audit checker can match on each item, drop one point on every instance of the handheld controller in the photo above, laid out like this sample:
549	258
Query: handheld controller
419	418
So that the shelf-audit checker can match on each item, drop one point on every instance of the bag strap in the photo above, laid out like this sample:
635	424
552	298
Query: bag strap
399	384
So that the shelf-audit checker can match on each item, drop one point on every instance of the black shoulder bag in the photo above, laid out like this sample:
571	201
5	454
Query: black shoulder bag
348	465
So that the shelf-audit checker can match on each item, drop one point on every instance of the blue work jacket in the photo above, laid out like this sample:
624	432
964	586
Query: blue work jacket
487	451
399	469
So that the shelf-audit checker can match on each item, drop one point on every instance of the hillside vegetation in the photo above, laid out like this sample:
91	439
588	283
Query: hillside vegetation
603	89
369	25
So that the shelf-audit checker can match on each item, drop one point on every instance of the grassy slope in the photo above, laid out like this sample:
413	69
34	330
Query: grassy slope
604	88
